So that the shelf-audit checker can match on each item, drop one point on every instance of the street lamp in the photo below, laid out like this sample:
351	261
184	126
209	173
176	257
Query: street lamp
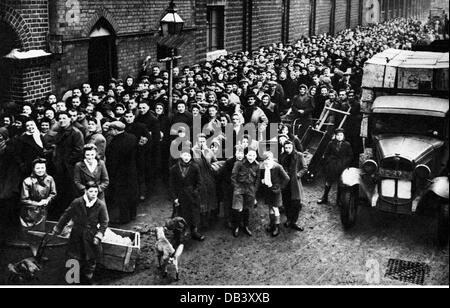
171	24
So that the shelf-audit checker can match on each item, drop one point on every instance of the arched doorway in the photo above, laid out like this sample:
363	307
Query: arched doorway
9	41
102	54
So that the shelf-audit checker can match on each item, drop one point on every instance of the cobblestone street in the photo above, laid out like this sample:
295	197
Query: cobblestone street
322	255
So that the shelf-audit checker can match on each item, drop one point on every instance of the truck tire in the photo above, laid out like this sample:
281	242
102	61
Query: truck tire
348	199
442	230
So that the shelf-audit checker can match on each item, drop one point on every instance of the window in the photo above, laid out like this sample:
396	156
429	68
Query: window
216	28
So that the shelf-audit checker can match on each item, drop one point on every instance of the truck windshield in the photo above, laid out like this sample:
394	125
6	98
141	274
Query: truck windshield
408	124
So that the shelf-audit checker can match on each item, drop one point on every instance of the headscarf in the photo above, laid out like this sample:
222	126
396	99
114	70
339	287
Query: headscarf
36	135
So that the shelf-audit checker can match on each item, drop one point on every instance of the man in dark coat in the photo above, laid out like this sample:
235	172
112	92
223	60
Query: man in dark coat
337	157
139	130
185	185
353	129
91	219
148	118
68	152
122	195
302	109
294	164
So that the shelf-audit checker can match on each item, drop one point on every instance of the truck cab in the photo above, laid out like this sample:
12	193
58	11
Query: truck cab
405	166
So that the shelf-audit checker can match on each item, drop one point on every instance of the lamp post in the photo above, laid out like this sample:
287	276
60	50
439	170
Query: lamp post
171	24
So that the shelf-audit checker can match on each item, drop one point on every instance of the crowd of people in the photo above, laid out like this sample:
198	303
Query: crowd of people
116	139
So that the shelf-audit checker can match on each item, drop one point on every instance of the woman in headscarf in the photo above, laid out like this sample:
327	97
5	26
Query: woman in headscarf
94	136
162	152
286	130
38	191
29	147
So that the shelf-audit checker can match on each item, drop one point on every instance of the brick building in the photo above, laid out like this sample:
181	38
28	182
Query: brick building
52	46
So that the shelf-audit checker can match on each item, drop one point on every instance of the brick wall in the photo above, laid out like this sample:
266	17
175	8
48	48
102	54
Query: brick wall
341	15
234	24
268	24
354	16
29	80
135	25
323	10
299	19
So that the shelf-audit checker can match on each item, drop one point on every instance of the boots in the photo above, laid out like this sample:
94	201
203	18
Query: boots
296	207
197	236
276	229
247	230
236	221
324	199
270	227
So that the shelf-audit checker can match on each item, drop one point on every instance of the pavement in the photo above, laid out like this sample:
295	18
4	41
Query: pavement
324	254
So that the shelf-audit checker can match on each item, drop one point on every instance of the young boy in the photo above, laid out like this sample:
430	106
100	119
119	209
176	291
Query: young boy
274	180
185	184
87	213
245	180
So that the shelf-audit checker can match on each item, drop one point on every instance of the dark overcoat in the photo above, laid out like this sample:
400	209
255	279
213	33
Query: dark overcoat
27	150
69	149
121	166
85	228
187	190
82	176
294	165
337	159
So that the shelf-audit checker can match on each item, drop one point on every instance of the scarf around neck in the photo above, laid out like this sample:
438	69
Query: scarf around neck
89	204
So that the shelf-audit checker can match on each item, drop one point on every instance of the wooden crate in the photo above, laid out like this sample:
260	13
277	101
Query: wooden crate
121	258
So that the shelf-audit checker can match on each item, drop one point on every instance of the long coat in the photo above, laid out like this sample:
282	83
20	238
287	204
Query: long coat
85	229
27	150
187	190
208	196
69	149
82	176
121	166
294	165
337	159
279	177
33	192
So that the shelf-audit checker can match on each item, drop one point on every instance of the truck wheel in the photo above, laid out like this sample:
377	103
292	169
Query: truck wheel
442	229
348	199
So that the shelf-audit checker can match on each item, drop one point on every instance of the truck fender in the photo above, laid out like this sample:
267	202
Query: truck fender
351	177
440	186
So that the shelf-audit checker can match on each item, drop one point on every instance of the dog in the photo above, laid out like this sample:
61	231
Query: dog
28	269
179	227
166	254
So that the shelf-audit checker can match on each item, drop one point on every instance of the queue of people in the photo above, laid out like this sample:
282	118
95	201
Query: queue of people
110	144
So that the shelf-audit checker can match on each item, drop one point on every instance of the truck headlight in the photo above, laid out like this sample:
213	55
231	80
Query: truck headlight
404	189
423	171
370	166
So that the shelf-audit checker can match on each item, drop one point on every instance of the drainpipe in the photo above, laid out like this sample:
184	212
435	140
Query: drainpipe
244	26
250	25
288	19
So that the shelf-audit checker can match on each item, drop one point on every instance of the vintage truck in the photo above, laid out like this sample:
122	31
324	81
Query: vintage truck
404	168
